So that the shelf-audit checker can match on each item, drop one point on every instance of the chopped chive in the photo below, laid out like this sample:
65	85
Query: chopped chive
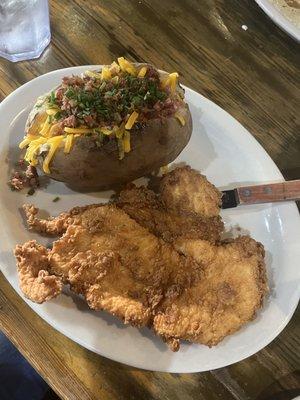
52	97
57	115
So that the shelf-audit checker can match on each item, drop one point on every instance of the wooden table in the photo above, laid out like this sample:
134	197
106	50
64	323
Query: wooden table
250	73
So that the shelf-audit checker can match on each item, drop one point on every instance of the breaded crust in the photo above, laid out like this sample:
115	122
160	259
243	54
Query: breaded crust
152	259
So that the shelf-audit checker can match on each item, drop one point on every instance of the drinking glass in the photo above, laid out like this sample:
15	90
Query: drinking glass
24	29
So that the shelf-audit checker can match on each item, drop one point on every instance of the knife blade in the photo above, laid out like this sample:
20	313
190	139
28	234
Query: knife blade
257	194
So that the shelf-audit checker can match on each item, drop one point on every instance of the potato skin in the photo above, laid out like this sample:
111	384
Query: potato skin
88	167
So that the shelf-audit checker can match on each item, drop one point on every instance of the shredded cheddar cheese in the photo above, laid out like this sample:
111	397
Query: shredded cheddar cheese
32	149
46	128
106	131
170	81
93	74
54	144
82	129
68	143
27	139
114	67
125	65
142	72
52	111
180	118
105	74
126	142
173	81
120	131
131	120
121	148
165	82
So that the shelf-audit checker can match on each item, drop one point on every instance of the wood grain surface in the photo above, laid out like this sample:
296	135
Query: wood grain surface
271	192
252	74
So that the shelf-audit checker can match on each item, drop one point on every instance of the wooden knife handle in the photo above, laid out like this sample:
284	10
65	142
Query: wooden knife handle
289	190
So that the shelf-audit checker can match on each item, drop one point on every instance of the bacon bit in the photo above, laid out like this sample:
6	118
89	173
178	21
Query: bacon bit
70	121
17	181
89	86
59	94
90	121
32	176
21	179
73	81
152	73
21	163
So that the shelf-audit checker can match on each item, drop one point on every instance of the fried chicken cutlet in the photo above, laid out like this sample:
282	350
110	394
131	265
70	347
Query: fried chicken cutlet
195	287
186	205
233	284
116	264
228	294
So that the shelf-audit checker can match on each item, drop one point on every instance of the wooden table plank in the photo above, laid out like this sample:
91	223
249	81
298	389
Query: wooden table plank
254	75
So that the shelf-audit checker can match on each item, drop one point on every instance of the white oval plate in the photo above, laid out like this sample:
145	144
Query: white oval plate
279	18
223	150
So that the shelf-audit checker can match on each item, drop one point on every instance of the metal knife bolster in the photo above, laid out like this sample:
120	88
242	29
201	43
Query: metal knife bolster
230	198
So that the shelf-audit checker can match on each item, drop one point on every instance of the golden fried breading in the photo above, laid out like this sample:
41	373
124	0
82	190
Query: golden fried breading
33	269
233	284
116	264
227	296
145	207
195	287
185	190
53	225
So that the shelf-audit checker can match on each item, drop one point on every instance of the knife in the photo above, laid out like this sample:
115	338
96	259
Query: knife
267	193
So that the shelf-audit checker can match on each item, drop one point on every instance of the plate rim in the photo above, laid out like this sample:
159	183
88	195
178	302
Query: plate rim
170	369
279	19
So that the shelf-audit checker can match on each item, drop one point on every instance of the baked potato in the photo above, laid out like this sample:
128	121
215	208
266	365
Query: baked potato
108	127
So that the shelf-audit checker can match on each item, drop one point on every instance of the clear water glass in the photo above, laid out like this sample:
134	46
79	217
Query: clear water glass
24	29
